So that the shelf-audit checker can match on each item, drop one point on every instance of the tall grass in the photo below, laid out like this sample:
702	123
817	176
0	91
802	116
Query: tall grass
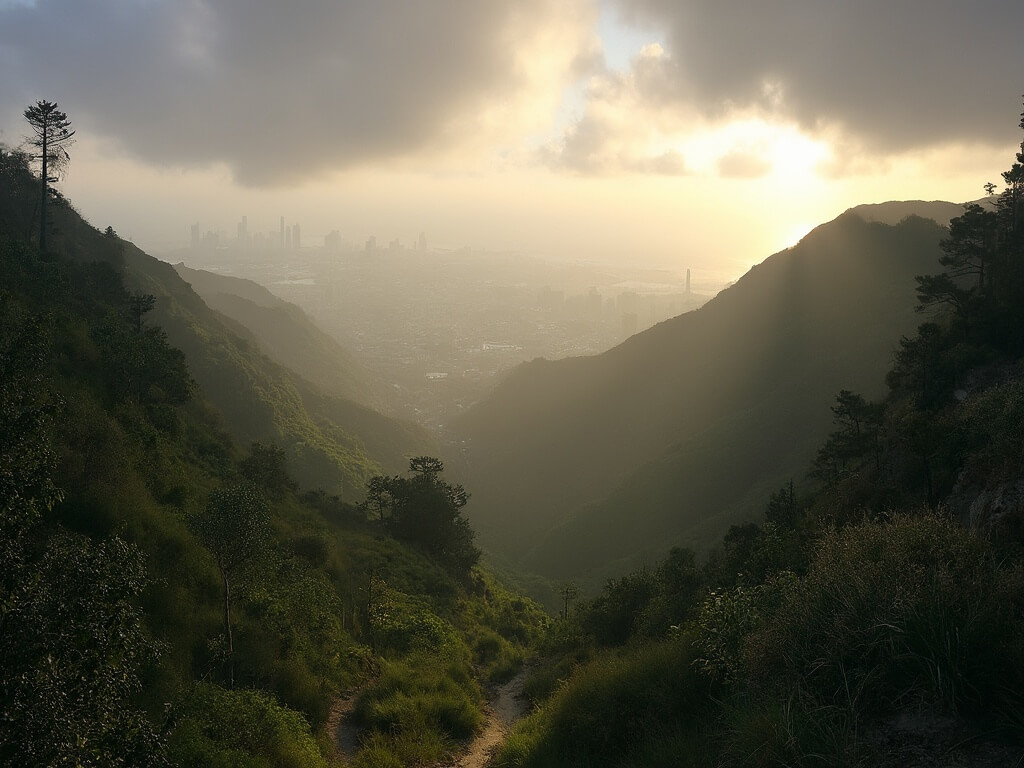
622	709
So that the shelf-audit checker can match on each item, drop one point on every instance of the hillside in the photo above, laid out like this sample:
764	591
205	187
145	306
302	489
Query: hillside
332	443
285	334
874	613
584	466
895	211
171	597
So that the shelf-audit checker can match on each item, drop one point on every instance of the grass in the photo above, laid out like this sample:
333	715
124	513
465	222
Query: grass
620	708
417	710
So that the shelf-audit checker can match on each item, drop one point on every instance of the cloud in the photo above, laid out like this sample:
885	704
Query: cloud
278	91
620	131
891	76
740	164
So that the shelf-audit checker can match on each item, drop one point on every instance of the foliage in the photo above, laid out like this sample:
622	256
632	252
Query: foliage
418	707
235	526
425	510
72	647
908	612
619	710
266	466
72	642
241	729
51	135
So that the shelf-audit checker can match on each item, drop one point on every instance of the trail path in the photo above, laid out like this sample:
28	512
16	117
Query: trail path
506	706
344	733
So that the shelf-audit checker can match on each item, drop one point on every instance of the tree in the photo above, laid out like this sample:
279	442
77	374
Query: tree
968	249
51	136
235	527
72	638
267	467
426	511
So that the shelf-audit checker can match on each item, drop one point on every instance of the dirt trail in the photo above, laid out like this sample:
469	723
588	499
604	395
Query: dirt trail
344	733
505	708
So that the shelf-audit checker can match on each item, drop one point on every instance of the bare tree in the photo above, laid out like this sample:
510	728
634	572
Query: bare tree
51	135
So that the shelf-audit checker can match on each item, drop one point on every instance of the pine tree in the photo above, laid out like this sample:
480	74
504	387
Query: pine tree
51	136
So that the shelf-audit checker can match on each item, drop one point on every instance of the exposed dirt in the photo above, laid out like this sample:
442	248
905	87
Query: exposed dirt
343	731
506	706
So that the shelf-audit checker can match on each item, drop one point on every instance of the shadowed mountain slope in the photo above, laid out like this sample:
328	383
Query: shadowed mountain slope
284	333
331	442
583	467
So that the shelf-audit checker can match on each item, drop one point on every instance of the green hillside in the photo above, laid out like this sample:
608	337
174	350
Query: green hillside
285	334
327	438
584	467
170	597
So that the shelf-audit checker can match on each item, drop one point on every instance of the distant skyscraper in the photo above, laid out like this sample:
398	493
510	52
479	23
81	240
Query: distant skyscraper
296	236
423	241
687	280
282	232
371	243
288	239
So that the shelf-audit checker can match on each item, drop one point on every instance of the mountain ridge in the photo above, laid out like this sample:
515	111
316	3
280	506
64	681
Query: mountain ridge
782	336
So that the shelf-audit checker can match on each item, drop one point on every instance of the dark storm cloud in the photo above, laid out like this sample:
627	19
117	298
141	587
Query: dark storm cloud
275	90
895	74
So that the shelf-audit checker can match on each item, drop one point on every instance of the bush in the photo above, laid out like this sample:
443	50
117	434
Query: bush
913	612
241	729
618	710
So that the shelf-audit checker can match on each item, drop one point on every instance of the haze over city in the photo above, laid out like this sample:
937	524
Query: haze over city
629	130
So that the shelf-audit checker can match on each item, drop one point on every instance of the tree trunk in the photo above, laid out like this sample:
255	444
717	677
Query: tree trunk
227	632
42	209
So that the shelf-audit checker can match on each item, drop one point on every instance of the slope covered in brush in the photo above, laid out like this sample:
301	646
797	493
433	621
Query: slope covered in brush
169	597
679	431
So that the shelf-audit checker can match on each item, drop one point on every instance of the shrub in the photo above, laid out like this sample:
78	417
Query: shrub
241	728
915	611
616	711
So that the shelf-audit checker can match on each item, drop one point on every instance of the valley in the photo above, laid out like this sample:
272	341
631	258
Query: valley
439	329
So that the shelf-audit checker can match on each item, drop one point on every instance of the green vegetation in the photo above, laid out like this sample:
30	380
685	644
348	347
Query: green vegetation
862	622
169	599
426	511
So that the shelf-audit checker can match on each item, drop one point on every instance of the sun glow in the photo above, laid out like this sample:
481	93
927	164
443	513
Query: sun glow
755	148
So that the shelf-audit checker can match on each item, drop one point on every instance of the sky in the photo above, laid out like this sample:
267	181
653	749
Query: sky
702	134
